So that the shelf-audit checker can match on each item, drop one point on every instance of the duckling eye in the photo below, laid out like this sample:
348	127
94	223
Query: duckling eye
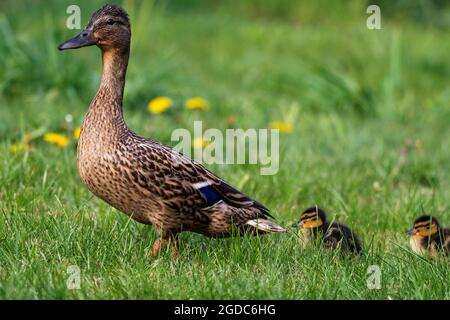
110	22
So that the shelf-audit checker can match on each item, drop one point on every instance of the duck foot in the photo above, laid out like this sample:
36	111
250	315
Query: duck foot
161	244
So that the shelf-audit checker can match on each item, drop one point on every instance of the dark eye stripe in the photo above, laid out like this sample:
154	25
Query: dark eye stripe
308	217
426	225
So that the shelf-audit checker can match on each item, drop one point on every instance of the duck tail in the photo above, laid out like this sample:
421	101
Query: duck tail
265	225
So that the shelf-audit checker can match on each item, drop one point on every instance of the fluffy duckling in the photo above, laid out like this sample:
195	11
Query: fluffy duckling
428	237
315	227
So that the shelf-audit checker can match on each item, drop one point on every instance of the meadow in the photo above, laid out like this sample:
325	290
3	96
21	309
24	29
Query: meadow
366	136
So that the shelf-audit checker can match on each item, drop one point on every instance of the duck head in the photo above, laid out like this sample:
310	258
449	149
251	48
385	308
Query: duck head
109	28
424	226
311	218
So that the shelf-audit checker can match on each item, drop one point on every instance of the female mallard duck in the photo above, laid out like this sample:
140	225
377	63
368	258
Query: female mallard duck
428	237
143	178
315	227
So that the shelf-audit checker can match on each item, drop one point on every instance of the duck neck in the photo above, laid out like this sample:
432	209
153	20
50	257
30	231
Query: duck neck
115	64
105	112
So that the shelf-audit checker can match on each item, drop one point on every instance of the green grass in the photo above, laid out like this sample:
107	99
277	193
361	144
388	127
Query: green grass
370	111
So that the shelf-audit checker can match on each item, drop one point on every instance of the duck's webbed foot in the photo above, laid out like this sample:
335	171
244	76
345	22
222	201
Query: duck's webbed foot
161	243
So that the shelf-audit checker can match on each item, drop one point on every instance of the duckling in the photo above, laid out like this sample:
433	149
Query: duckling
143	178
314	226
428	237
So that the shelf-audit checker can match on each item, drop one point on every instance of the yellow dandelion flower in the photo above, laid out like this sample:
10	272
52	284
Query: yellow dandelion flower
196	103
59	139
159	104
19	147
76	133
199	143
283	126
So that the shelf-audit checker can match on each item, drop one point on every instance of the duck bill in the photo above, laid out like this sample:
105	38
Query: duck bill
411	231
84	39
297	225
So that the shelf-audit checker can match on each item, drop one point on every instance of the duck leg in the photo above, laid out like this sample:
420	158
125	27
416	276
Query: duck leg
161	243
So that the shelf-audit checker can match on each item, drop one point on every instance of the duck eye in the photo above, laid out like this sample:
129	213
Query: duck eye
110	22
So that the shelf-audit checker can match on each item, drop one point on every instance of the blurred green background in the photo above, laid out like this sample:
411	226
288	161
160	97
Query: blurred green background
369	111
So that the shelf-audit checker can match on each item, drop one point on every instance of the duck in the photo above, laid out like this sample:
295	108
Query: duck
149	181
428	237
315	228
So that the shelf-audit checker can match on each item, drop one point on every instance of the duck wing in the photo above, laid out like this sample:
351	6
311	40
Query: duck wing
232	196
192	180
339	232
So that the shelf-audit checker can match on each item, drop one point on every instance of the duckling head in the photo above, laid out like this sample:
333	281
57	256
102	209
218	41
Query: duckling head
311	218
424	226
109	28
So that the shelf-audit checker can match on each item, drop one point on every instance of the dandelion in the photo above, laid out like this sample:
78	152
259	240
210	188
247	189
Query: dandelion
76	133
56	138
159	104
283	126
24	145
199	143
196	103
19	147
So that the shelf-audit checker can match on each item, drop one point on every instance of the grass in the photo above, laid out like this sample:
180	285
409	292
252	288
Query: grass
370	113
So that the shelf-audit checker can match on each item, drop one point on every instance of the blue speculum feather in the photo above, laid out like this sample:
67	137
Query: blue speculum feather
210	195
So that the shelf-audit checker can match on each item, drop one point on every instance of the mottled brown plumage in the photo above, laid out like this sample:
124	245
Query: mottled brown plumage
143	178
